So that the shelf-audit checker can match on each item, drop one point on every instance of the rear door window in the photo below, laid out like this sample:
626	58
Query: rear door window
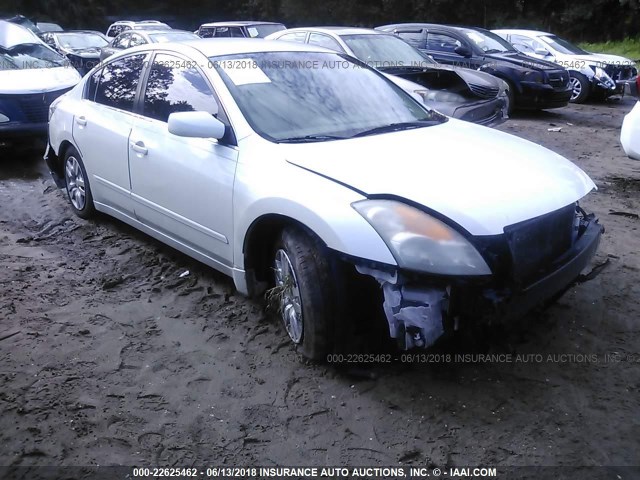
119	82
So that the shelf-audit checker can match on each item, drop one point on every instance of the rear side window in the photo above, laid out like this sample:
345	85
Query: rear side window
415	39
175	86
136	40
299	37
229	32
119	82
206	32
122	41
439	42
325	41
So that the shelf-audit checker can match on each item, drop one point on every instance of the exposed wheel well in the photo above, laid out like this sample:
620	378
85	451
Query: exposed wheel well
59	164
258	246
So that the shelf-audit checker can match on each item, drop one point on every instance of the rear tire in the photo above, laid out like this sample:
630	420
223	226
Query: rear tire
77	183
581	87
304	287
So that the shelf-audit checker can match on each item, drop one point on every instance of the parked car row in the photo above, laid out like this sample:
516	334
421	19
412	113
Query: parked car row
313	182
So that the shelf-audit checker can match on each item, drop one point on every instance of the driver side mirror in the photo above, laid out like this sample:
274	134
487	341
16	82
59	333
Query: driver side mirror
542	52
463	51
196	125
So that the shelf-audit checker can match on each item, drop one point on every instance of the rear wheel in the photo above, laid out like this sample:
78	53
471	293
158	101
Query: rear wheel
303	291
77	183
581	87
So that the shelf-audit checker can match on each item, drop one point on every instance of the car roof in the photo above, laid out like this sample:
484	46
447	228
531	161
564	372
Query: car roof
431	25
339	30
213	47
240	23
12	34
517	31
93	32
131	22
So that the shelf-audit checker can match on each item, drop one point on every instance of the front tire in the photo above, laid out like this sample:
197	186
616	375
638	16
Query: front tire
303	285
77	183
581	87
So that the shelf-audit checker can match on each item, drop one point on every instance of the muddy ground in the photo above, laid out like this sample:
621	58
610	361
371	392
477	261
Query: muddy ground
109	356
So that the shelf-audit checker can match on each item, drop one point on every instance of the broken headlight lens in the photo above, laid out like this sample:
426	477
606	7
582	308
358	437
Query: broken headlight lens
421	242
439	96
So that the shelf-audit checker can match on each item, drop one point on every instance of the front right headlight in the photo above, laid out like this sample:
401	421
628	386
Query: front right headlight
439	96
420	242
4	118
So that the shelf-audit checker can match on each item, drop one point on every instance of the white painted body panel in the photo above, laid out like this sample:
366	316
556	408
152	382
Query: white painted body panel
630	133
480	178
183	187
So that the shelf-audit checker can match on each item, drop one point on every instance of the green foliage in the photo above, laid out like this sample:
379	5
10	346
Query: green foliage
629	48
588	20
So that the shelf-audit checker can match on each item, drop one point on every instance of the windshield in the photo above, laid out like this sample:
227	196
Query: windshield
261	31
385	51
81	40
170	36
488	42
288	96
562	46
29	56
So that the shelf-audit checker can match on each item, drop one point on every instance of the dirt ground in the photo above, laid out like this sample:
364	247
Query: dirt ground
110	356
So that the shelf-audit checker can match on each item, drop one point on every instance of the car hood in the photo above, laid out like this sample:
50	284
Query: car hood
523	61
599	58
480	178
38	80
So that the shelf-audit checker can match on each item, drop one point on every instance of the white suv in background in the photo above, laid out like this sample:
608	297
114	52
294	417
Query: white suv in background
122	25
591	73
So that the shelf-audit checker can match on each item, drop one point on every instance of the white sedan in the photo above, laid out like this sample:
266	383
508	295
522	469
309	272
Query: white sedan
291	168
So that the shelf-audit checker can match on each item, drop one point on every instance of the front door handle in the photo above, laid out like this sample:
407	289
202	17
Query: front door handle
139	147
82	121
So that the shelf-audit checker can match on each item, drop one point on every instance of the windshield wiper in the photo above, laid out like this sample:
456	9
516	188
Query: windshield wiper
310	138
395	127
495	50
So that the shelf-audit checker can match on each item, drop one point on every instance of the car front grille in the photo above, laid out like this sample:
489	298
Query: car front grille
558	79
535	244
621	72
484	91
35	107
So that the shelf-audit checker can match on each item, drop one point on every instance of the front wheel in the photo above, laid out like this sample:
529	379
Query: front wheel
303	291
581	87
77	184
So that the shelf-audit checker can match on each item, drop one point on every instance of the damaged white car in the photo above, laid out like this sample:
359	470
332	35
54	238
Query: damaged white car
294	169
591	74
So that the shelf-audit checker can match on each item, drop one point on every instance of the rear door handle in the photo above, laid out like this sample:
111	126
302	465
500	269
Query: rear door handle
139	147
82	121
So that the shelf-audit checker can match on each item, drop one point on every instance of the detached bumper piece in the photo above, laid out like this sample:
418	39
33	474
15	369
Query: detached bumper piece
533	262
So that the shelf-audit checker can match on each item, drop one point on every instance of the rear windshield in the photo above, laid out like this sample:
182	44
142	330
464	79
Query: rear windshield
30	56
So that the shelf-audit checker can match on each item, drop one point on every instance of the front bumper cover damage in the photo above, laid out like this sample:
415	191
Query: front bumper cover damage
420	308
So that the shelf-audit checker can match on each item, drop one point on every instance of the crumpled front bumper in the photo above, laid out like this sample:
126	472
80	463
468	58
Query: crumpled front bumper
420	308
